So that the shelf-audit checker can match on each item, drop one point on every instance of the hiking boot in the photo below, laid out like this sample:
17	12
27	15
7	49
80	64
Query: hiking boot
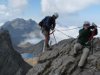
80	68
49	48
78	71
74	55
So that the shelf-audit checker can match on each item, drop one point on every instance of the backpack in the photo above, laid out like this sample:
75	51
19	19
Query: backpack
45	23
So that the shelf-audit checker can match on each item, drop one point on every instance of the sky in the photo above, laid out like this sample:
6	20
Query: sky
72	13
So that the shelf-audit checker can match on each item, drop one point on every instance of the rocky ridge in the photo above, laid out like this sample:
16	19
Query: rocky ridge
59	60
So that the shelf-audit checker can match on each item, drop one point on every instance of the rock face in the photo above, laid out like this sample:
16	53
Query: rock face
11	62
59	61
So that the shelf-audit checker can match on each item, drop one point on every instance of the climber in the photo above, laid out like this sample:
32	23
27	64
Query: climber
47	24
83	42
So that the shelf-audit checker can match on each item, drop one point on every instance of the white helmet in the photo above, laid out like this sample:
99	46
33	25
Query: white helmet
86	23
56	15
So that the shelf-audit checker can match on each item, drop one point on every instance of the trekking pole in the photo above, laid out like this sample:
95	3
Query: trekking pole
91	39
55	38
92	46
43	49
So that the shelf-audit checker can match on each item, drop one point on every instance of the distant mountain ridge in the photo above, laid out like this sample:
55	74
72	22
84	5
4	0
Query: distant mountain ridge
21	29
33	51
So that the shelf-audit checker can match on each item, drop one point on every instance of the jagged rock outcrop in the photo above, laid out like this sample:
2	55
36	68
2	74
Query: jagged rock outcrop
59	61
11	62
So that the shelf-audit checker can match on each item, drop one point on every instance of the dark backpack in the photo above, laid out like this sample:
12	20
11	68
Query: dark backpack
46	22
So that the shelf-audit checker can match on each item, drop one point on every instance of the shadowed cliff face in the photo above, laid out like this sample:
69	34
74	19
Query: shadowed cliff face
11	62
59	61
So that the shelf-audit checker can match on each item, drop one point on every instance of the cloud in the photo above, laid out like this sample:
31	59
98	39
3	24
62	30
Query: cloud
3	9
66	6
98	31
12	9
17	4
33	37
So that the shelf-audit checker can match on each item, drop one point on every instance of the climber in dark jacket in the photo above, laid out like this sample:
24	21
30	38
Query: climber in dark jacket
83	42
47	24
86	34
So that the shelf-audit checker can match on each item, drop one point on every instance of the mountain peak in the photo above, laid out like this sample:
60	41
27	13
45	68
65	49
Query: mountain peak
20	28
19	19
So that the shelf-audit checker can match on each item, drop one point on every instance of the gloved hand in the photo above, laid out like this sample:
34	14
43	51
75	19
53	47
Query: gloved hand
52	28
52	32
